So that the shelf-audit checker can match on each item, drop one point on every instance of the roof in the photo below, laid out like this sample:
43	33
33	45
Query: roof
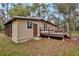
27	18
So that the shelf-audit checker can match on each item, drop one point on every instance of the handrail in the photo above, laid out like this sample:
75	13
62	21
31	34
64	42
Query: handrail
51	29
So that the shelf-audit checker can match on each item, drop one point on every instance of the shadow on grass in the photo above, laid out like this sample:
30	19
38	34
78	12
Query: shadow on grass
56	38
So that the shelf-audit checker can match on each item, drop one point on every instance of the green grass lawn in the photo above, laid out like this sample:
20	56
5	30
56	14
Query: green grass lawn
73	52
8	48
76	33
38	47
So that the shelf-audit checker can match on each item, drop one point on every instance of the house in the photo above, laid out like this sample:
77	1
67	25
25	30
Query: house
22	29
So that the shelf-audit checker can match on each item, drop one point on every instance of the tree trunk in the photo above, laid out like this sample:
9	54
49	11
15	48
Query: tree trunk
69	29
67	26
69	21
7	10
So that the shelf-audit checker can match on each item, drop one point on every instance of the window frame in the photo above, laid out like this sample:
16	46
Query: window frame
45	27
29	25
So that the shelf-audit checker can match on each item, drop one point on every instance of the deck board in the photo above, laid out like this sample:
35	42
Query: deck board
52	35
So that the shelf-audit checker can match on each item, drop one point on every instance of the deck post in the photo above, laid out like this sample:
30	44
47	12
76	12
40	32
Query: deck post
49	33
40	31
48	37
63	35
63	39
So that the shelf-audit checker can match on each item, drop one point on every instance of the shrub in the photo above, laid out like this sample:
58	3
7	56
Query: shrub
1	28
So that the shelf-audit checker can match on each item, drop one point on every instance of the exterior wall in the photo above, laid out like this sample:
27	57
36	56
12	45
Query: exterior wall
15	31
41	24
20	31
23	32
8	29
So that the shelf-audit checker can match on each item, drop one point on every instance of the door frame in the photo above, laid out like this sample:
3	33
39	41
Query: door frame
35	31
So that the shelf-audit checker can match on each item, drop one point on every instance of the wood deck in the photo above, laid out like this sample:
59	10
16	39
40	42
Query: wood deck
52	33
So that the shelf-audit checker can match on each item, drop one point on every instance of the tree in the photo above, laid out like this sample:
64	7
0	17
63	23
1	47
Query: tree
19	10
5	7
67	10
39	10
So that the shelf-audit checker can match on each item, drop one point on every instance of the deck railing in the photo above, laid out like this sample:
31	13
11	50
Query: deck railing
50	30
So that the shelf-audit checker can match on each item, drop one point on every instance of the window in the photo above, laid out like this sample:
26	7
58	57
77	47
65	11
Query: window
45	26
29	25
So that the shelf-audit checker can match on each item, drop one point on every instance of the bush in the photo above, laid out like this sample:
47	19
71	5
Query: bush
1	28
77	29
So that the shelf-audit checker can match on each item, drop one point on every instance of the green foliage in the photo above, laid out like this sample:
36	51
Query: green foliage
39	9
77	29
1	28
19	10
62	8
67	10
25	10
34	7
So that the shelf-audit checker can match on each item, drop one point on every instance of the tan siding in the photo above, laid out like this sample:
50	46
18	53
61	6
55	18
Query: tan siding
20	31
8	29
23	32
14	31
48	25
